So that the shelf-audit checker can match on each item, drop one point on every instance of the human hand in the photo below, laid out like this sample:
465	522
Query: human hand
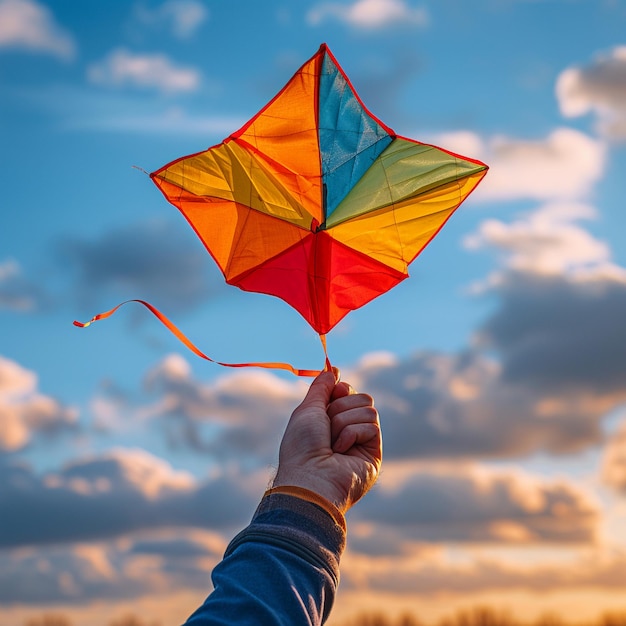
332	444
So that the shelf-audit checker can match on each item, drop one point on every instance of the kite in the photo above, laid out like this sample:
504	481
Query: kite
315	200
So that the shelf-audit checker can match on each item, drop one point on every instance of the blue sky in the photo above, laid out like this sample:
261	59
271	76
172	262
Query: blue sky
498	367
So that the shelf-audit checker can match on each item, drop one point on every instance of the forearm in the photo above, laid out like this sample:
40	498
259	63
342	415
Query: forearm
282	569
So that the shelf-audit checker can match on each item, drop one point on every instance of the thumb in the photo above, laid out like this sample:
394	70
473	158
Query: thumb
320	391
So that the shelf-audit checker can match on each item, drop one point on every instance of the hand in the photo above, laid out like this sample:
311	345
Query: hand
332	444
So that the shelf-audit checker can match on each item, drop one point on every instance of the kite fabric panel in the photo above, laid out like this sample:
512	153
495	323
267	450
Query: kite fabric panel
315	200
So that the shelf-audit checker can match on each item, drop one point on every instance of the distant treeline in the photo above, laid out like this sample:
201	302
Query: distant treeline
474	617
480	617
57	619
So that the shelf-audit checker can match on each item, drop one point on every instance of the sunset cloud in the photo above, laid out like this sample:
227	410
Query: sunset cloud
614	460
468	503
243	413
467	405
25	412
595	570
151	563
111	495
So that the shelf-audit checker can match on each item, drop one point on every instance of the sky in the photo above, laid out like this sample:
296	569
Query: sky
498	367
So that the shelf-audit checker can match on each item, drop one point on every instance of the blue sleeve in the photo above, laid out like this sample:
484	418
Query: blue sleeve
283	569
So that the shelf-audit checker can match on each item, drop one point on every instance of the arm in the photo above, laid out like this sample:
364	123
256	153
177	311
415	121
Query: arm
284	567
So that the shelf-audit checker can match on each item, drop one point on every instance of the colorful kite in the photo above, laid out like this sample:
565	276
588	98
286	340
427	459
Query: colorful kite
315	200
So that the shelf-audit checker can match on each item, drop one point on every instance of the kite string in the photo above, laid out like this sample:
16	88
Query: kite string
187	342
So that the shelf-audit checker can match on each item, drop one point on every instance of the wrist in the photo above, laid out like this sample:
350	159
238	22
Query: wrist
308	482
312	497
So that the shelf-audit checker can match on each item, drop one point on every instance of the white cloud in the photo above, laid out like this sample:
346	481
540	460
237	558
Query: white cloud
564	165
369	14
121	68
24	411
183	17
548	241
599	88
28	25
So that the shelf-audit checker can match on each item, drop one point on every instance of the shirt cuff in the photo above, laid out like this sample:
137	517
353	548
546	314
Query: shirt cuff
314	498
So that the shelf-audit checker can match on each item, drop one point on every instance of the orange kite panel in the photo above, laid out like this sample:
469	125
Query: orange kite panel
285	132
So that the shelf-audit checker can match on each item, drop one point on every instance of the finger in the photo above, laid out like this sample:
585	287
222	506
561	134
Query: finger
358	415
356	435
320	391
349	401
342	389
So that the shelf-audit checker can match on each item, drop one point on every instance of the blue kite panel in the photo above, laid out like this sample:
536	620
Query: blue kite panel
350	139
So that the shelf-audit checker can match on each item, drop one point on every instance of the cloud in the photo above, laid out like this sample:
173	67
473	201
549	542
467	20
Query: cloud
158	563
182	17
436	575
564	165
548	241
614	460
598	88
147	563
369	14
150	260
562	301
29	25
24	411
469	503
561	338
241	414
432	406
111	495
121	68
17	293
444	406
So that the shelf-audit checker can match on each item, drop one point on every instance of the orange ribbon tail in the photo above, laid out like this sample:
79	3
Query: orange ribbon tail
185	340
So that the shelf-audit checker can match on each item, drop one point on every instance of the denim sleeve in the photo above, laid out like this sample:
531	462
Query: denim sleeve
283	569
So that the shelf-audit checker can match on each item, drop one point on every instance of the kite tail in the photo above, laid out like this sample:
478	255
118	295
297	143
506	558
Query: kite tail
185	340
